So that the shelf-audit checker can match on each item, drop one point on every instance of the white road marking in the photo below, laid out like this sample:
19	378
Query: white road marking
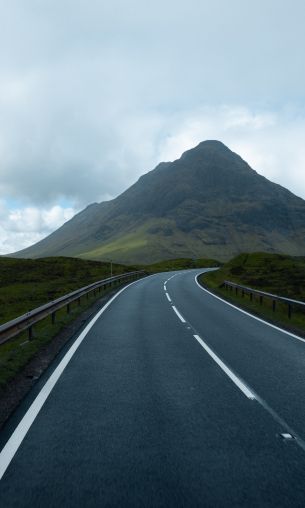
246	391
178	314
175	274
285	435
164	287
249	393
248	313
23	427
168	297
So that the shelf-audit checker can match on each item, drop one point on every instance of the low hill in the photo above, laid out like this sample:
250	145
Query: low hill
274	273
209	203
25	283
179	264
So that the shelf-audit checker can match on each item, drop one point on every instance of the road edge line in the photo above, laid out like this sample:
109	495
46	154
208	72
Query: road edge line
247	313
10	448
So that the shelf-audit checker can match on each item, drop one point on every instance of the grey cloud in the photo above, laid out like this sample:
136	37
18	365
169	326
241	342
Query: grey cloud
89	91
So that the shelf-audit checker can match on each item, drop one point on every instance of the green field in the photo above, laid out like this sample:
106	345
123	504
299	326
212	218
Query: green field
275	273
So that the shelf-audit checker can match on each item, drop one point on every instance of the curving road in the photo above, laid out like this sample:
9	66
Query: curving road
171	397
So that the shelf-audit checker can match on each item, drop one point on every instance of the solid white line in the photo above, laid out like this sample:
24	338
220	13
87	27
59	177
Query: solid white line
21	430
248	313
246	391
178	314
168	297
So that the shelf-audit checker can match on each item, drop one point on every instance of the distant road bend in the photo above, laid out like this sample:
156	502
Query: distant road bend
170	397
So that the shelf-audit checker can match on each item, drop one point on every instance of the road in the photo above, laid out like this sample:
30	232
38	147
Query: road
170	398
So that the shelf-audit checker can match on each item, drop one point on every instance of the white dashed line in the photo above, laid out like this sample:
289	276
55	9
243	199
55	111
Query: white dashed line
246	391
168	297
178	314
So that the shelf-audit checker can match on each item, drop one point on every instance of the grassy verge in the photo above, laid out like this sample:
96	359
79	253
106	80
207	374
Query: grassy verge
25	284
17	352
274	273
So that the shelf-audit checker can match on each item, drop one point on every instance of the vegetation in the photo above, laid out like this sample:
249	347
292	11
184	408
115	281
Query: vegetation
275	273
180	264
207	203
25	284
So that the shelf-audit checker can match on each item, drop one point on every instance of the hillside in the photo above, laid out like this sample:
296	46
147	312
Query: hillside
209	203
275	273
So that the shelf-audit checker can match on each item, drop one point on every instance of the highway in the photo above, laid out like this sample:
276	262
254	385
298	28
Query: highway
170	398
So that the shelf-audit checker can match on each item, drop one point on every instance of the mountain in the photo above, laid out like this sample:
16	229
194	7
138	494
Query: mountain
208	203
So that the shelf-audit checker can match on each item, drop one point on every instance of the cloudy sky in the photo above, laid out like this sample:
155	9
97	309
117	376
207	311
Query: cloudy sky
94	93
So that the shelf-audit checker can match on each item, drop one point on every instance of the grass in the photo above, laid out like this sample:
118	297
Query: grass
16	353
117	248
25	284
278	274
180	264
154	240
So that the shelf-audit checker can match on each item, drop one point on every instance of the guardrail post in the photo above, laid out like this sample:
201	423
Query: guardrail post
236	291
289	310
261	299
273	305
242	293
26	322
251	296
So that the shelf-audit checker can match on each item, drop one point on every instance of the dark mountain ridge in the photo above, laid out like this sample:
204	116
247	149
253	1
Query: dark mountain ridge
208	203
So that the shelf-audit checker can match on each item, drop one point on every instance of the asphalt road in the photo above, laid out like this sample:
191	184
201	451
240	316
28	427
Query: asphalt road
172	398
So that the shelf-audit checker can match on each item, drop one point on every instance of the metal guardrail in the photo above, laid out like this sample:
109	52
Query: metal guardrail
275	298
26	321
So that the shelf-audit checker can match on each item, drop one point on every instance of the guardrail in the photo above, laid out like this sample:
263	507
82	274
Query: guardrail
275	298
26	321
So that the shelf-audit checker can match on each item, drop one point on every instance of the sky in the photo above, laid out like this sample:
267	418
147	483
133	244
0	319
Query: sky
95	93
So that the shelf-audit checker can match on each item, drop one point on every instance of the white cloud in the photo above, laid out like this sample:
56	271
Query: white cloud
94	94
271	142
20	228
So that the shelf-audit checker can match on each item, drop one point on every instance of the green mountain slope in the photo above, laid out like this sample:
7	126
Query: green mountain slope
208	203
